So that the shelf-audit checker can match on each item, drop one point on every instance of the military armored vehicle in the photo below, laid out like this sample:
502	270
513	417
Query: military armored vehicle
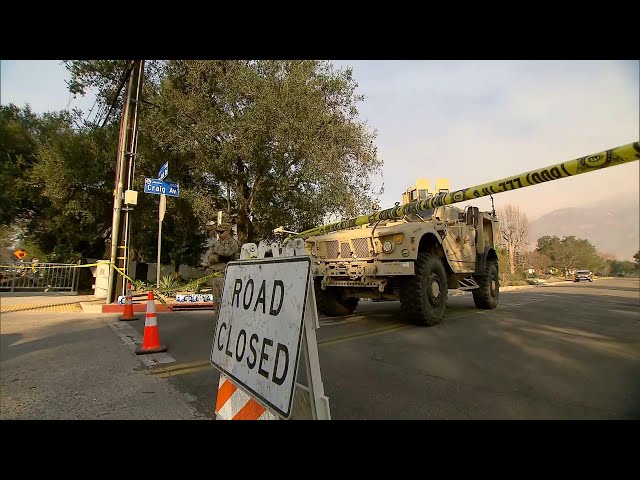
416	259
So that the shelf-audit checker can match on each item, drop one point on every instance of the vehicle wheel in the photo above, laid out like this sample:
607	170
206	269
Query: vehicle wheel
423	296
332	303
486	297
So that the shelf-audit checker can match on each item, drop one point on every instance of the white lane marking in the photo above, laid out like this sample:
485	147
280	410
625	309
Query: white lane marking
131	338
518	304
349	320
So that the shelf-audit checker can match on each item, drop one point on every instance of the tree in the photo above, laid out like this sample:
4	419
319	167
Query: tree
570	253
270	142
183	236
622	268
538	261
514	228
75	175
103	77
503	265
46	180
637	257
280	138
18	146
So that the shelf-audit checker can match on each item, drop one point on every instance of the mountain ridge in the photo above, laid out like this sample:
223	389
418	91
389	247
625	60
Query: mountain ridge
610	224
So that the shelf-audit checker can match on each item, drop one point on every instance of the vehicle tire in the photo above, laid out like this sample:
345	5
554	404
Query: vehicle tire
486	297
332	303
423	296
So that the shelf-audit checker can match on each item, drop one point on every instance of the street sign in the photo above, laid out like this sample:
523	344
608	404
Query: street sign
257	336
158	187
20	253
164	171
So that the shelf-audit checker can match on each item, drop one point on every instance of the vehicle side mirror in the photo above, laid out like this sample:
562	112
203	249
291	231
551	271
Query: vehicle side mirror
473	216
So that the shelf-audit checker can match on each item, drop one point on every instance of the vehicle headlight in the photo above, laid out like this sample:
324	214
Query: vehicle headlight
311	248
387	247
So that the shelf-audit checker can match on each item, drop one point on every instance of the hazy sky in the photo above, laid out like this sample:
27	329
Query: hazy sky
468	121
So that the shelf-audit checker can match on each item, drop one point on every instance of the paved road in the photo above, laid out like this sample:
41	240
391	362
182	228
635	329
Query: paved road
569	351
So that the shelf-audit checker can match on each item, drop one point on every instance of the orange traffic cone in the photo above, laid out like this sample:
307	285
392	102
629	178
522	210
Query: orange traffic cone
151	338
127	313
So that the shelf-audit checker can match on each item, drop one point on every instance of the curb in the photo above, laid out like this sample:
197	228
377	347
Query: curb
89	307
142	308
137	308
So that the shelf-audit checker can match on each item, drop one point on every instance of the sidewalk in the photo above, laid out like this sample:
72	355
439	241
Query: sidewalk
71	366
64	302
46	303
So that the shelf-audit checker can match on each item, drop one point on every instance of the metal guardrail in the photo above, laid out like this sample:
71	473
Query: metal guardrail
39	277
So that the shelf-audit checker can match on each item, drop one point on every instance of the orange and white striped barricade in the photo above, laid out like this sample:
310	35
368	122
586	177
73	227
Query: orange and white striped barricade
265	326
232	403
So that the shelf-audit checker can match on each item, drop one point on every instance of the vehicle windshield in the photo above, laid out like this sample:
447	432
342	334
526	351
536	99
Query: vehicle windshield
584	272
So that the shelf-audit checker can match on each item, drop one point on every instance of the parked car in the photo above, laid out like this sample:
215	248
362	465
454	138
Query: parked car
581	275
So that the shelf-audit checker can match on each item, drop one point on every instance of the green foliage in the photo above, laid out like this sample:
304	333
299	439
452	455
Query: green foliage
18	147
280	139
169	282
504	272
143	285
623	268
637	257
570	253
183	230
503	263
270	142
102	77
33	250
74	173
62	254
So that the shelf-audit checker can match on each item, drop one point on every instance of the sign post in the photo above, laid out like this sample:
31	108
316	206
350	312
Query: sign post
263	325
161	212
164	189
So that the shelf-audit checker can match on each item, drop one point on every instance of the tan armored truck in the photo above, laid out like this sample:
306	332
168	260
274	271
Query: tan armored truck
414	260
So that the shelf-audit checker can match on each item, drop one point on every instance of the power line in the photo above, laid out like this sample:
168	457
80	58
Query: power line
116	92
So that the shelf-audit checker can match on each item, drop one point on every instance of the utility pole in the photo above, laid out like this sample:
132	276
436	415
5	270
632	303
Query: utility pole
125	169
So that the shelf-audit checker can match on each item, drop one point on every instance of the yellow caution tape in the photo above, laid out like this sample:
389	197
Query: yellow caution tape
161	294
38	266
590	163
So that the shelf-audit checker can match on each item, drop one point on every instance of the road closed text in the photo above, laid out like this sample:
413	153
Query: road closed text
258	333
271	361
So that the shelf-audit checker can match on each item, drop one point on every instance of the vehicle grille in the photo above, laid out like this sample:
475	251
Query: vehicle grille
361	247
342	250
332	249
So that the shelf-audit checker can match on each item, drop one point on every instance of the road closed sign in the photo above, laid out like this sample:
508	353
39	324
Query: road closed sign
257	336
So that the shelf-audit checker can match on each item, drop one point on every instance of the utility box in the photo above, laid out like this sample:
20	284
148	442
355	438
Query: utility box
131	197
101	279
